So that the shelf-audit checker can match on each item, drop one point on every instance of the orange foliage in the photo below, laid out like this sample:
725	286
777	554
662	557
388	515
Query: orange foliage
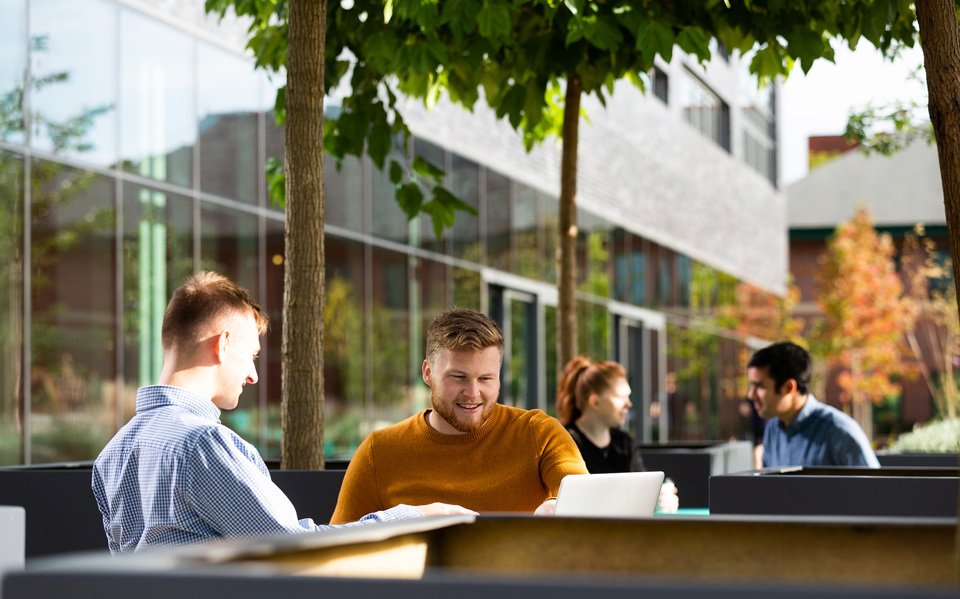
864	312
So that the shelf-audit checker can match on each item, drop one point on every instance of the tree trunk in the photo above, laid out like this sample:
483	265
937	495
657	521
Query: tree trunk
940	41
303	282
567	249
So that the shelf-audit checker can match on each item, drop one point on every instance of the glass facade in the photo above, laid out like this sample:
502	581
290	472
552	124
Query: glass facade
142	162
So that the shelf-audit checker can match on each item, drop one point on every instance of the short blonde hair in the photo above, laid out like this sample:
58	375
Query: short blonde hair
460	329
201	299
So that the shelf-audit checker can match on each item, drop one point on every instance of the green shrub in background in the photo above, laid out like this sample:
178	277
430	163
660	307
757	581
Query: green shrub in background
942	436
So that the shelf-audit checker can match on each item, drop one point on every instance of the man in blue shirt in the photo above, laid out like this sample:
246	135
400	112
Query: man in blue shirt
175	475
801	431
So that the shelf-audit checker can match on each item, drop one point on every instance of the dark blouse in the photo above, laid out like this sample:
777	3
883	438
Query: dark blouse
618	456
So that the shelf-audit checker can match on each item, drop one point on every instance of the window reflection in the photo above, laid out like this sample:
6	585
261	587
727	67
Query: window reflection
498	221
344	344
73	332
432	281
343	193
157	250
526	233
549	221
466	288
11	307
229	100
436	156
388	220
229	246
74	79
270	364
465	184
390	320
13	49
157	100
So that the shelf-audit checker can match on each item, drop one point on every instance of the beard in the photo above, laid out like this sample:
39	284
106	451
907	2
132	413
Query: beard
447	411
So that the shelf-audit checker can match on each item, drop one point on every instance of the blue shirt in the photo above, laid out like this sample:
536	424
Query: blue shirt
820	435
175	475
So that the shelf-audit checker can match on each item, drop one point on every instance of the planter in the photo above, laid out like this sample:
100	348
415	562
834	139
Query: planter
836	491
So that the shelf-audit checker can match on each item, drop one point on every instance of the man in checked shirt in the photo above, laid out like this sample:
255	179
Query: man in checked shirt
175	475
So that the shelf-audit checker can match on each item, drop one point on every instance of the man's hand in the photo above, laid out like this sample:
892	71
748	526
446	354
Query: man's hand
668	501
547	508
444	509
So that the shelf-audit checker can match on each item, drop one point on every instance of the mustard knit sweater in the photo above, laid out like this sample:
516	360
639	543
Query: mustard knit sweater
511	464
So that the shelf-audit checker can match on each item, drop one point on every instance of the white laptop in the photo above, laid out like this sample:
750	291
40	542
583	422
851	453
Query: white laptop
616	495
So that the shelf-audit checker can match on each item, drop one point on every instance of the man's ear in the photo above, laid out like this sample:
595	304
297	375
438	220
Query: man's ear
789	386
593	400
426	372
221	345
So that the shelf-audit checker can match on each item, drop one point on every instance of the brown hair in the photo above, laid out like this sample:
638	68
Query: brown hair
202	298
579	380
459	329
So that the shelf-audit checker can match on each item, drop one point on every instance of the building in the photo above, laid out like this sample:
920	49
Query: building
133	140
901	191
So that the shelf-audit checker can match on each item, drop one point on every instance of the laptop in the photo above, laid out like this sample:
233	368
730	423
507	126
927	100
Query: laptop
615	495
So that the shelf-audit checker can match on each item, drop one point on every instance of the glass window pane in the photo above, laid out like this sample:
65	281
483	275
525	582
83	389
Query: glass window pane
157	250
526	233
498	221
344	363
466	288
230	103
74	57
74	326
11	307
638	272
465	184
157	100
548	217
390	320
343	193
270	365
13	49
229	246
388	221
435	155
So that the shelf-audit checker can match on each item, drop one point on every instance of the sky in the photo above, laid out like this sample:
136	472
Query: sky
819	102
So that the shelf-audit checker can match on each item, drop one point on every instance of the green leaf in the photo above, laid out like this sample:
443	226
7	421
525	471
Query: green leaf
695	41
451	202
280	106
604	33
494	20
461	14
410	199
425	168
276	182
511	105
574	6
655	38
396	172
808	46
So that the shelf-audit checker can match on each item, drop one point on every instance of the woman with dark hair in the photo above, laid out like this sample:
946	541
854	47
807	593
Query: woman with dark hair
593	401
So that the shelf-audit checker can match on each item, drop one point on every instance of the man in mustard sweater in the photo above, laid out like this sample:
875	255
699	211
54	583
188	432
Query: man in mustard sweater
468	449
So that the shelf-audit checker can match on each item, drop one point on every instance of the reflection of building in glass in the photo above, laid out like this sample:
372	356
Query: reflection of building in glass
143	161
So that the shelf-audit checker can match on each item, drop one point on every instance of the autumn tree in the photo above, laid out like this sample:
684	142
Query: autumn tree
864	315
934	335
